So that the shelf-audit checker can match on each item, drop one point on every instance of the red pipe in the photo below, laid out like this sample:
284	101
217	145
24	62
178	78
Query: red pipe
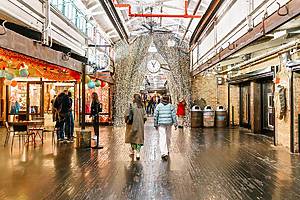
186	5
158	15
164	15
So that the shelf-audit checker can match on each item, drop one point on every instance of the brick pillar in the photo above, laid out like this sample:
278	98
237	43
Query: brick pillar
296	88
282	126
235	104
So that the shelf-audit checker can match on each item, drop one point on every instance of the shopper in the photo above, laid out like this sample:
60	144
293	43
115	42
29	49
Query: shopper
150	105
69	128
96	108
62	106
135	119
164	118
181	112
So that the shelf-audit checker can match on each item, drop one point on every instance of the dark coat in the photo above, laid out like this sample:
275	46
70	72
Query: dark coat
96	108
62	105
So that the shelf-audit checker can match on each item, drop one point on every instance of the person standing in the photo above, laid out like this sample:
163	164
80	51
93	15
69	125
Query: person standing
164	118
135	119
96	108
181	112
62	106
70	127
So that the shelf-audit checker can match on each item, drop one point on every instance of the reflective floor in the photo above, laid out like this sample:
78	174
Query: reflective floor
204	164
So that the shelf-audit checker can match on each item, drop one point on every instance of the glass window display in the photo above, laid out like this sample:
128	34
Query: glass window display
104	97
35	103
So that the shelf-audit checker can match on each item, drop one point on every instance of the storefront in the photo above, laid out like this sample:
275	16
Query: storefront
101	83
30	85
256	100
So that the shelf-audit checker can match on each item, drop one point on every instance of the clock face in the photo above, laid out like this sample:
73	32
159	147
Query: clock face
153	66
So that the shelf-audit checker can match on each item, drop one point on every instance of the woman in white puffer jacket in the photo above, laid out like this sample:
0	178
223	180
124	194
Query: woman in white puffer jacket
164	118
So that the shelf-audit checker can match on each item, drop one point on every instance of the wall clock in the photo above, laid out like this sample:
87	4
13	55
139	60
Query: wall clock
153	66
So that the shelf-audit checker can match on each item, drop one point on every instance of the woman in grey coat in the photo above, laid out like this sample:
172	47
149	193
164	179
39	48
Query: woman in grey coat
135	118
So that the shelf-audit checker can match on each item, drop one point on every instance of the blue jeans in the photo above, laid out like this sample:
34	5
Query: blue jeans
71	124
60	131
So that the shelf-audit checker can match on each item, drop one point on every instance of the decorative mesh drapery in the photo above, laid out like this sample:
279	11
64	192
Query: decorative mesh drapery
130	65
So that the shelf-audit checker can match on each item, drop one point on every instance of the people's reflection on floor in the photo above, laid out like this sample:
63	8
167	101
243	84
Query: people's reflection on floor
63	166
134	177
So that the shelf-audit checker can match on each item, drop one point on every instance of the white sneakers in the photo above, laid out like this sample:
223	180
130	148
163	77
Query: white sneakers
134	152
138	156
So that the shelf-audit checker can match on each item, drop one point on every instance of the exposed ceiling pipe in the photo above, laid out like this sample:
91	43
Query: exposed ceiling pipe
191	20
185	15
112	14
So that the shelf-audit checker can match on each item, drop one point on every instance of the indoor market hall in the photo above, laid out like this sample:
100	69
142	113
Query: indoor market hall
149	99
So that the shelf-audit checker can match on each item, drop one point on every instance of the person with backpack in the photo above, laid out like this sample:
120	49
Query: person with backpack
135	118
62	107
164	118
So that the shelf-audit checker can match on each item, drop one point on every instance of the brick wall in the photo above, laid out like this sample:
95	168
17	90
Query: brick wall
206	87
296	109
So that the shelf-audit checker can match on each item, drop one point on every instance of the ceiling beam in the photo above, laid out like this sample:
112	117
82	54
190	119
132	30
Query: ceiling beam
190	22
113	16
206	18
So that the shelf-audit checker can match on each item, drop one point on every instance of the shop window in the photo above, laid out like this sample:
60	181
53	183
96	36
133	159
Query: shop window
103	94
35	98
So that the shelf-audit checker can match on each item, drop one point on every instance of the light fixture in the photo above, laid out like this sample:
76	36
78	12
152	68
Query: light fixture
171	43
219	80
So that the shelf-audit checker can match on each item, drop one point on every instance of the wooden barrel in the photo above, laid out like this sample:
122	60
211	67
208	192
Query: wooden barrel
196	117
208	117
221	117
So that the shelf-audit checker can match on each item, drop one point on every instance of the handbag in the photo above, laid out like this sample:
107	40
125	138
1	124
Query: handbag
129	118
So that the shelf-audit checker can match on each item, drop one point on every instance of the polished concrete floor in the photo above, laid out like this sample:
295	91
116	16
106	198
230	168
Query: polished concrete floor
204	164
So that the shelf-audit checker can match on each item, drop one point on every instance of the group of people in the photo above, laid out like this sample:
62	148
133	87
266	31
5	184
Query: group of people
150	105
63	116
165	116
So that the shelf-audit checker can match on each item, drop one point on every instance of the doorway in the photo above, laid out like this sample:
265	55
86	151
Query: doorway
268	110
245	105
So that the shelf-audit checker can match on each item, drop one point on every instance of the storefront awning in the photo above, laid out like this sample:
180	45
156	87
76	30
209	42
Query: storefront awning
254	75
12	62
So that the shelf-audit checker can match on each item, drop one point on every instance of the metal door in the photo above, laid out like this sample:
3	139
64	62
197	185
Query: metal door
245	106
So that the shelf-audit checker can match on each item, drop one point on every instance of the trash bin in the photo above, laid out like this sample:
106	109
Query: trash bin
83	139
221	117
208	117
196	117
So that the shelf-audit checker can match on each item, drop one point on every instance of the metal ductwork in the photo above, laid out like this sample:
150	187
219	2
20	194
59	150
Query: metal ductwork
112	14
